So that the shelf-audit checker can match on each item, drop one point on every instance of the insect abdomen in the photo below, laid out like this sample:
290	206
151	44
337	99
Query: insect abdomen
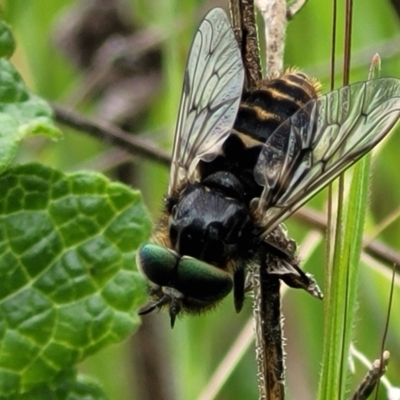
263	109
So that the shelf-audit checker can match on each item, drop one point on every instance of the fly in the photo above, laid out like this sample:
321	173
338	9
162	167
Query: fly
245	160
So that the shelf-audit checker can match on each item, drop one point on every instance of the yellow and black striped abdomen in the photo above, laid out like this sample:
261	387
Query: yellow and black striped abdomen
274	100
260	113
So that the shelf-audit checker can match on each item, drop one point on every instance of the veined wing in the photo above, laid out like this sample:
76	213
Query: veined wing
320	141
210	99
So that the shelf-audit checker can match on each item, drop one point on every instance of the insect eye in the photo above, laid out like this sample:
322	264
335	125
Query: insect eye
157	263
201	281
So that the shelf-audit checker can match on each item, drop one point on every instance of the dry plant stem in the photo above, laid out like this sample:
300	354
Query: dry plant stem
245	29
235	10
268	335
266	294
251	47
372	377
384	359
273	13
111	134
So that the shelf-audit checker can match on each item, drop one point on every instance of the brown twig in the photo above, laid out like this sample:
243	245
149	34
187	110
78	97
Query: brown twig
111	134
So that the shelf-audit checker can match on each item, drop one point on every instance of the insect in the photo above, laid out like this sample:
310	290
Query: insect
243	162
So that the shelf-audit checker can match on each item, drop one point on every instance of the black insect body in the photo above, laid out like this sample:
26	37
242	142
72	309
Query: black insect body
242	163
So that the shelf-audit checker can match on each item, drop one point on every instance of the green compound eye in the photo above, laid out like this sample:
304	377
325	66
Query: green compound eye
200	280
157	263
193	278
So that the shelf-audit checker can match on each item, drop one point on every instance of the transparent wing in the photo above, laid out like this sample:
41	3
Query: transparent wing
211	94
320	141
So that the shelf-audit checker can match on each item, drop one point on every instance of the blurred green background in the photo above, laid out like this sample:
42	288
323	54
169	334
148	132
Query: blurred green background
61	59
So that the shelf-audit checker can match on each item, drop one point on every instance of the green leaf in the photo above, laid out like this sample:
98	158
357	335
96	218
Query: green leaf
7	42
340	302
66	386
68	280
22	113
